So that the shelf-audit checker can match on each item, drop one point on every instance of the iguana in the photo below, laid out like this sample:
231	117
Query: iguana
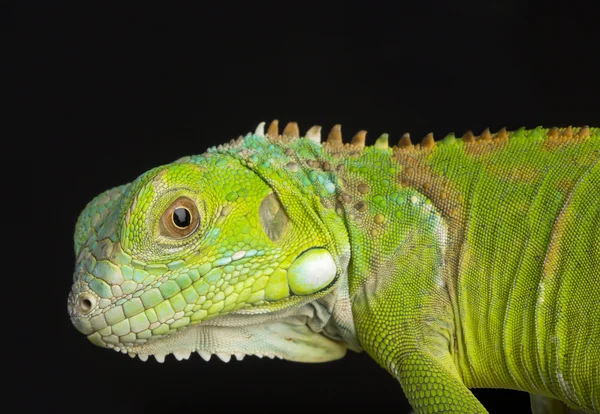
455	264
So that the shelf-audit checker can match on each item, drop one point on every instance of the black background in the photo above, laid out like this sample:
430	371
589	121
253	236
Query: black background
112	92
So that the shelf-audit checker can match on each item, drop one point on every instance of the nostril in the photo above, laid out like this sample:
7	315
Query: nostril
86	303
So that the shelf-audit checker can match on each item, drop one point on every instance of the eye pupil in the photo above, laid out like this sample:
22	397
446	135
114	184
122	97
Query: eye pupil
182	217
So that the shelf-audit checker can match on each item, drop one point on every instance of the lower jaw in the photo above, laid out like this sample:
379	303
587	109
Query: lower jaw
293	334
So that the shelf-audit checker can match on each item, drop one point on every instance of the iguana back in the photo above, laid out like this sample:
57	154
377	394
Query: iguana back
527	293
528	288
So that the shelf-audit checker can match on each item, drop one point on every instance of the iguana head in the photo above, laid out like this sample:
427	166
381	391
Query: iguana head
228	253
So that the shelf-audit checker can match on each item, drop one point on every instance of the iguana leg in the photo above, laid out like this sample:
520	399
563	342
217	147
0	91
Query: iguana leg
404	317
415	351
432	388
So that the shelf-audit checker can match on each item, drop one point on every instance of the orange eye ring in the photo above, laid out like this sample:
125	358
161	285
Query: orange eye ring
180	219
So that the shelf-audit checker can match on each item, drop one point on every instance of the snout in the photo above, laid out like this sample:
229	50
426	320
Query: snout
80	306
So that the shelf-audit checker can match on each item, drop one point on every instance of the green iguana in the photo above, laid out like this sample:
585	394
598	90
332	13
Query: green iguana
468	262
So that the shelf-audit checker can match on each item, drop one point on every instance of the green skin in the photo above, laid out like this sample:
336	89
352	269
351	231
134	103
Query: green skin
470	262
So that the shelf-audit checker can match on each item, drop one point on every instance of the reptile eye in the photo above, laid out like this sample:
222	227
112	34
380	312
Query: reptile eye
180	219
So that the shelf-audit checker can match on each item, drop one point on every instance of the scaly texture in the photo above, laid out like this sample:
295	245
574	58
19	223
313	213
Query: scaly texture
468	262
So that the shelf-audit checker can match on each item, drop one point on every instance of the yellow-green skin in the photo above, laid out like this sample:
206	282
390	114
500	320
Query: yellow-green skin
471	262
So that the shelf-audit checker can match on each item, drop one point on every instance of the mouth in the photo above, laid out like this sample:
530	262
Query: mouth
295	335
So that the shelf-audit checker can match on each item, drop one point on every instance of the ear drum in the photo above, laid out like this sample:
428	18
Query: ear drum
273	218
